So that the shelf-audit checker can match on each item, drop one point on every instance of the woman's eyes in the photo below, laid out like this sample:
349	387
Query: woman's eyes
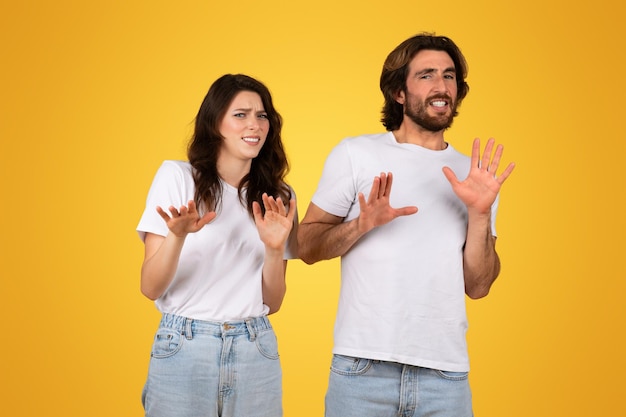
242	115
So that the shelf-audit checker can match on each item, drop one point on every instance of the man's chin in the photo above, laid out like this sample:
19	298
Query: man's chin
436	125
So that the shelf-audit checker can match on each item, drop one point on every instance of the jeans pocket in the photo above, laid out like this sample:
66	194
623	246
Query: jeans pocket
167	342
267	344
348	365
452	376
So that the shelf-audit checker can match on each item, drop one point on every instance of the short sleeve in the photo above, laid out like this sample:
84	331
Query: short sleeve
172	186
336	191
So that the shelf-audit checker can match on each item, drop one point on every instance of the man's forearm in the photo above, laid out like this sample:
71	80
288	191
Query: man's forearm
481	264
321	241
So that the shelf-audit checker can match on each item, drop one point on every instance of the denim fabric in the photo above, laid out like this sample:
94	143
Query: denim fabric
199	368
369	388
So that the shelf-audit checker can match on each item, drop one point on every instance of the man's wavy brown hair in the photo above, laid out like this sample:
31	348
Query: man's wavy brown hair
396	67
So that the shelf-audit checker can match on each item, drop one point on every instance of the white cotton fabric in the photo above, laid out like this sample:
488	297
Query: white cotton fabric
220	268
402	293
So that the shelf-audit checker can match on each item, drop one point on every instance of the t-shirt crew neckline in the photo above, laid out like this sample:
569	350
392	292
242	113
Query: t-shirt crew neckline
414	147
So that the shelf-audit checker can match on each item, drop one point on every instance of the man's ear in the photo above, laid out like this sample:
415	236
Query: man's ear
400	97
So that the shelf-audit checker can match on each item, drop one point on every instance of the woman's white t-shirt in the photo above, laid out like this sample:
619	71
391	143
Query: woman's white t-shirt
219	274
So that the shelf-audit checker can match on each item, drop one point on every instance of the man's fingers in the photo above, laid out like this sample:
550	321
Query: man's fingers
383	185
388	183
475	159
485	163
450	175
374	191
496	158
506	173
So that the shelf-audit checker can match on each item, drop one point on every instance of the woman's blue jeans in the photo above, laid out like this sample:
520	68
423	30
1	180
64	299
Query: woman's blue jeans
199	368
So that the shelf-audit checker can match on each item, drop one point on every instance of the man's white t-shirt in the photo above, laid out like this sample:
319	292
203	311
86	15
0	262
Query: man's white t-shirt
402	295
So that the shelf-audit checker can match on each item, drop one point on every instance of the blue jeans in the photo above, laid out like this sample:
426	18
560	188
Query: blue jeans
199	368
370	388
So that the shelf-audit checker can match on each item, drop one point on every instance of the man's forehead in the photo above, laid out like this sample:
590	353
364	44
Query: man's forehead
431	59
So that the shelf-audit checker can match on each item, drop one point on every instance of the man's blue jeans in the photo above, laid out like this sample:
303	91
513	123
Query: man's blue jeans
370	388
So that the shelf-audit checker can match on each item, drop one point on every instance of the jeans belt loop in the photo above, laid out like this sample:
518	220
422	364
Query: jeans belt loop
250	330
188	333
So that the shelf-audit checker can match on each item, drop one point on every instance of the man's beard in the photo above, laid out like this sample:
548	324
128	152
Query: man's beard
417	111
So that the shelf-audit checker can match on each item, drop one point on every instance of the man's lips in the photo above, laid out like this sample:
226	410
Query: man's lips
439	103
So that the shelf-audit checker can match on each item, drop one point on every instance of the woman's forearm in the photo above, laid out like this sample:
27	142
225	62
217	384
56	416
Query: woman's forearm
161	261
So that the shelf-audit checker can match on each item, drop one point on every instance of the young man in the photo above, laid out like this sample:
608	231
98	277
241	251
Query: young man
399	342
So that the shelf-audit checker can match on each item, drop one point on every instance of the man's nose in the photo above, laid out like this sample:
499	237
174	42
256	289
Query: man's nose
441	85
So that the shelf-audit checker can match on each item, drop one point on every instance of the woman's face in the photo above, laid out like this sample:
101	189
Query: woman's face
244	128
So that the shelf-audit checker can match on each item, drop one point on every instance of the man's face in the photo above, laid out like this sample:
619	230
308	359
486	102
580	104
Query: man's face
431	90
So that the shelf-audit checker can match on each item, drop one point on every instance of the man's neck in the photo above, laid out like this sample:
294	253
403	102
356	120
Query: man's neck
417	135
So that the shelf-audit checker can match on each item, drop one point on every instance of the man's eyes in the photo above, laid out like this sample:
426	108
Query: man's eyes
446	76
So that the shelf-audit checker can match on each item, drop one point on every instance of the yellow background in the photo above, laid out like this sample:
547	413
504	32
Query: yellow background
95	94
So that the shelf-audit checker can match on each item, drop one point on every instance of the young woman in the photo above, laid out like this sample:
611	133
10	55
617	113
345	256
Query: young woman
218	231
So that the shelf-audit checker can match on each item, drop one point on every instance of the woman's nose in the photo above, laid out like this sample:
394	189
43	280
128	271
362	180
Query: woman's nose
253	123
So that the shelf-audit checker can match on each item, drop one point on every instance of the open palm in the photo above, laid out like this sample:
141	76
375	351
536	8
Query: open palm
479	190
275	225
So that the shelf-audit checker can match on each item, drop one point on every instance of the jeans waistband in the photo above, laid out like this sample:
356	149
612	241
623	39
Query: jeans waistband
187	326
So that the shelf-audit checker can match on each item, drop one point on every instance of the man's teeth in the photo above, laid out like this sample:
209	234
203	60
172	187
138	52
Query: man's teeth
438	103
251	140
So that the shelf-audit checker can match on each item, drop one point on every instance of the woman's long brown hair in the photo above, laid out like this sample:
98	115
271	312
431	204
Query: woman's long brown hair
268	169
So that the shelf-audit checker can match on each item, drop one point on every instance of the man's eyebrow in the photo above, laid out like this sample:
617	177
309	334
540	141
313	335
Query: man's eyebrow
431	70
425	71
